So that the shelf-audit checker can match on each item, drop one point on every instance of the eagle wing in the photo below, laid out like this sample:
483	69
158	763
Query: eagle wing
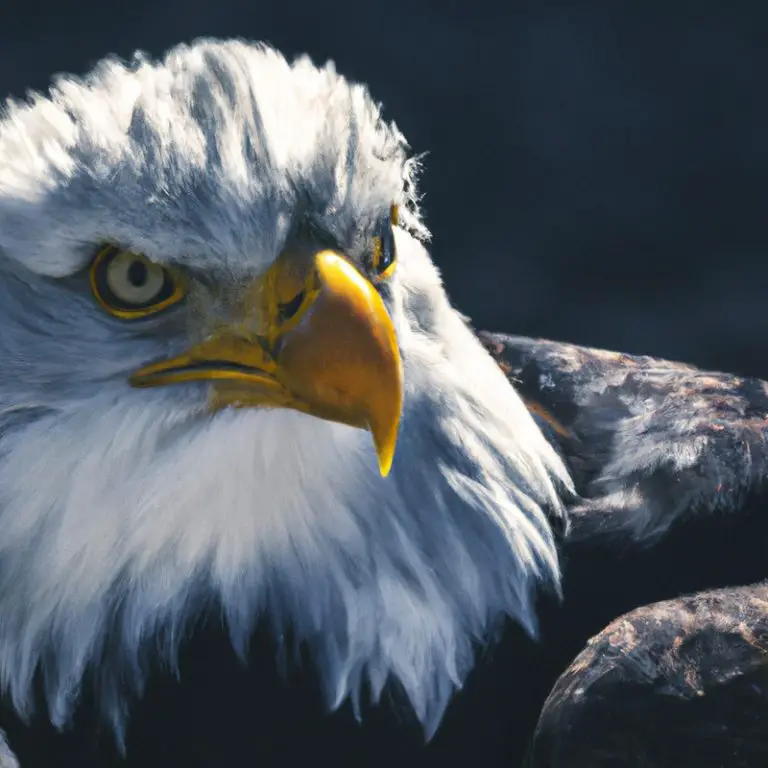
680	682
648	441
671	526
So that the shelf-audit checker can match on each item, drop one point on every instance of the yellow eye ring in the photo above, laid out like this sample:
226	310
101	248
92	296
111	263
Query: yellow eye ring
129	286
383	257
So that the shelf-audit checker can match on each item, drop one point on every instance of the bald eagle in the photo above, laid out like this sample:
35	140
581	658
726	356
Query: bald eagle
265	496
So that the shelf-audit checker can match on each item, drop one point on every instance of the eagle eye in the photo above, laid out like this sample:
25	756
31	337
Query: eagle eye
384	257
130	286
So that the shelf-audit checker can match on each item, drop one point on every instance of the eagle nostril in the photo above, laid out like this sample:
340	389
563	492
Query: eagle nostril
287	310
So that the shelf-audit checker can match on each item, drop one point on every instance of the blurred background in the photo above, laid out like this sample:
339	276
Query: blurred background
597	172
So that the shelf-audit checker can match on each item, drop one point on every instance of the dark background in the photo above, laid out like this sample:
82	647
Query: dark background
598	172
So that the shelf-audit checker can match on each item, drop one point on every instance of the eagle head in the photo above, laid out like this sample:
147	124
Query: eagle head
231	377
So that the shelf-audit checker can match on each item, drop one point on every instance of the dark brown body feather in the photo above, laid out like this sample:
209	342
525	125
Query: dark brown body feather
678	683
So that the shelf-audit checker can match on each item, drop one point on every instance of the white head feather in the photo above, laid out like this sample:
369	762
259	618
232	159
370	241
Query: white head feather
123	512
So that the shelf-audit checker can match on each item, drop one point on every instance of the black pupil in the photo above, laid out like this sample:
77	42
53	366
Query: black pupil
387	254
137	273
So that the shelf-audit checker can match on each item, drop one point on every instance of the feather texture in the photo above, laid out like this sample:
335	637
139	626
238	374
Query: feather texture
633	428
127	514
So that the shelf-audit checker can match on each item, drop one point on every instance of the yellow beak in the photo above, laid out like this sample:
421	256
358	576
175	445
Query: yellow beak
313	335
